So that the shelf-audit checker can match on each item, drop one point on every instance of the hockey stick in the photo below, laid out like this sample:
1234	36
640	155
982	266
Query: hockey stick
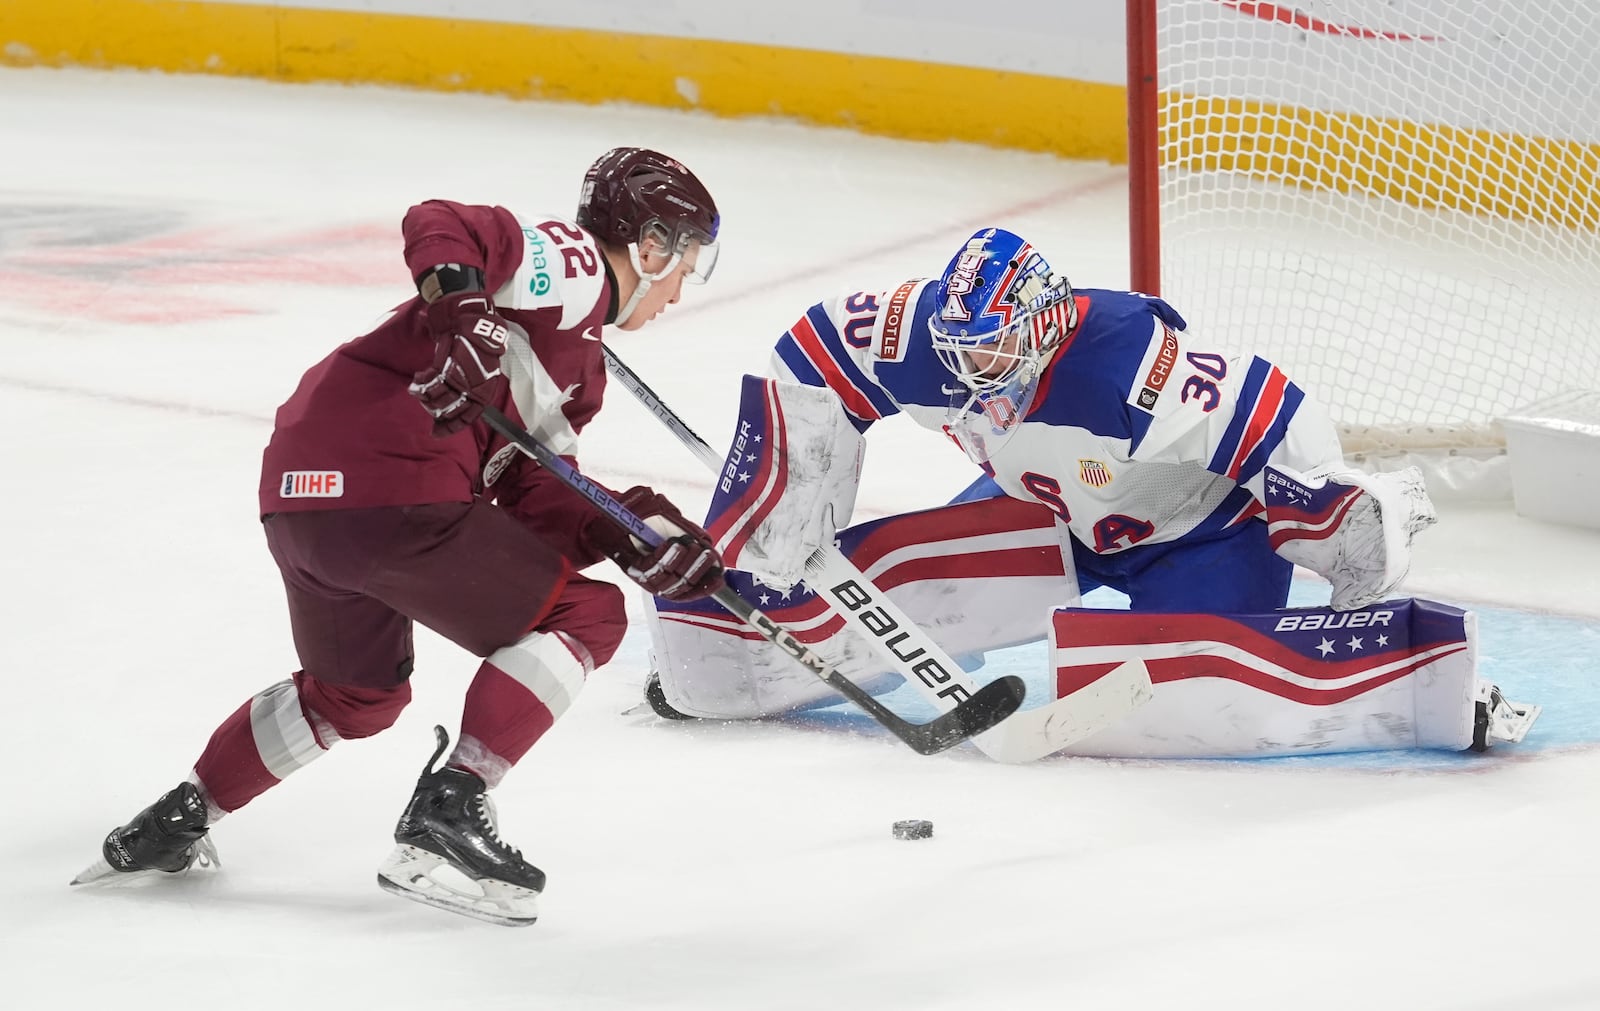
1027	735
980	712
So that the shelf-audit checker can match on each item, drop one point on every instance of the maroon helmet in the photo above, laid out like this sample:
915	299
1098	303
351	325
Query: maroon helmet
631	194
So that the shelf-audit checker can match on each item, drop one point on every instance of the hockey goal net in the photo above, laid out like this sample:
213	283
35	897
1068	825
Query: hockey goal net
1396	201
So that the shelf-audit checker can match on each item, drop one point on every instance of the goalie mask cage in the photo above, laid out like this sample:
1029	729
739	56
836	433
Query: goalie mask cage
1394	199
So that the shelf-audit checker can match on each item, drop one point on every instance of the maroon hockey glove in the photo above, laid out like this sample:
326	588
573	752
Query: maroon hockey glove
685	566
469	339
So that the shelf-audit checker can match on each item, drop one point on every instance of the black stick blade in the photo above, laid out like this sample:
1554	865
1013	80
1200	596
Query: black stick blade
991	704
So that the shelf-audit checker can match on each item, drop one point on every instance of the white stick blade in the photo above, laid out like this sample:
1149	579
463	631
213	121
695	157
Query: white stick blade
1033	734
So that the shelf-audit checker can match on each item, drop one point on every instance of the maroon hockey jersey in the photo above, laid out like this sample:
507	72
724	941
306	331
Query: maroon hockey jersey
352	436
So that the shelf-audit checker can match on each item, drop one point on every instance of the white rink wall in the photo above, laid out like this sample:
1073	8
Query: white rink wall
1081	39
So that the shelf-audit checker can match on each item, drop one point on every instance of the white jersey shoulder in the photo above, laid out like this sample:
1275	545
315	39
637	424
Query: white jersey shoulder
876	326
561	268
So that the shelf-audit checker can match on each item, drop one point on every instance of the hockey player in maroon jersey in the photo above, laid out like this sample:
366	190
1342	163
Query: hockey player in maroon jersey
381	511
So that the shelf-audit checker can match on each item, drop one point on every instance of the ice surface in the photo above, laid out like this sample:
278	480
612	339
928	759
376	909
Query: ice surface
175	251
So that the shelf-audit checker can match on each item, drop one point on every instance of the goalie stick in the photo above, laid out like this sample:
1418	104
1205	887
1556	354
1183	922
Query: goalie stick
983	710
1025	736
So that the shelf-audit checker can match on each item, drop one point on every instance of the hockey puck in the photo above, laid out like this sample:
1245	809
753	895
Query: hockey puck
913	829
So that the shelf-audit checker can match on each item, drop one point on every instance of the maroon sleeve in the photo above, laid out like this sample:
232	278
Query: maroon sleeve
443	231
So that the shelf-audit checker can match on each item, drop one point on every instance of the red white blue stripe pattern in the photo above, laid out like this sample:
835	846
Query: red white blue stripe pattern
1312	656
973	540
814	352
752	479
1298	513
1267	403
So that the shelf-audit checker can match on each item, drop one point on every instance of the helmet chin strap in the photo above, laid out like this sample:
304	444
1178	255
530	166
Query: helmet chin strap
626	312
645	281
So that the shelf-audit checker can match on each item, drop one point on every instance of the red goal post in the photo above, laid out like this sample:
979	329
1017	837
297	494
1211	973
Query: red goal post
1396	202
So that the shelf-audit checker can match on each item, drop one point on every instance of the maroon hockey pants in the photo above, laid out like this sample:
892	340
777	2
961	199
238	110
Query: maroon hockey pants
356	580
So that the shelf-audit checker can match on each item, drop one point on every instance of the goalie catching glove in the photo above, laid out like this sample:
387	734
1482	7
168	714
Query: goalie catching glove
684	566
469	339
1354	529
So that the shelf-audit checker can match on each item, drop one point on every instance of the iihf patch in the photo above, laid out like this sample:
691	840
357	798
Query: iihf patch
312	484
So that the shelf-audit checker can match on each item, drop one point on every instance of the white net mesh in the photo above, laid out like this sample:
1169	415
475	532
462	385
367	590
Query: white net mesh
1394	199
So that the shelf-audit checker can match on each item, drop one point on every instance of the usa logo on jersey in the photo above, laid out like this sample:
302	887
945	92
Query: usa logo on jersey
1093	473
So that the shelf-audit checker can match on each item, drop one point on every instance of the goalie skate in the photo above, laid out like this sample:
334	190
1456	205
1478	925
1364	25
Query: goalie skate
1499	721
656	696
448	852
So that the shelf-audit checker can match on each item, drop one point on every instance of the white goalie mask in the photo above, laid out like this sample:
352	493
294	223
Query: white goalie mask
1001	313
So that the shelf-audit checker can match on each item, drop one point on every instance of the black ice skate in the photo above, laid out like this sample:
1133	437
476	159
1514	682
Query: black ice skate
448	851
169	836
657	698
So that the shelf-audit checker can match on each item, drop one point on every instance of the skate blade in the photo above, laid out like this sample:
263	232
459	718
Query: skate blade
97	871
1511	729
203	856
421	876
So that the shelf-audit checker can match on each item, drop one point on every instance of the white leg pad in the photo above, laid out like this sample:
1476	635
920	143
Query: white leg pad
1396	675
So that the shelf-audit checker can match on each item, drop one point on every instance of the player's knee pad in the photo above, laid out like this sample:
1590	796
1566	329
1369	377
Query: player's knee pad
592	613
352	712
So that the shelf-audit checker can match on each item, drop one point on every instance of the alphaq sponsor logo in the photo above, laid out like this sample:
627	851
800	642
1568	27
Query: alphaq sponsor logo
539	284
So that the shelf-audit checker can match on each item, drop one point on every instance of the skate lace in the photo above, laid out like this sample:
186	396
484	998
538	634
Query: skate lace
488	818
